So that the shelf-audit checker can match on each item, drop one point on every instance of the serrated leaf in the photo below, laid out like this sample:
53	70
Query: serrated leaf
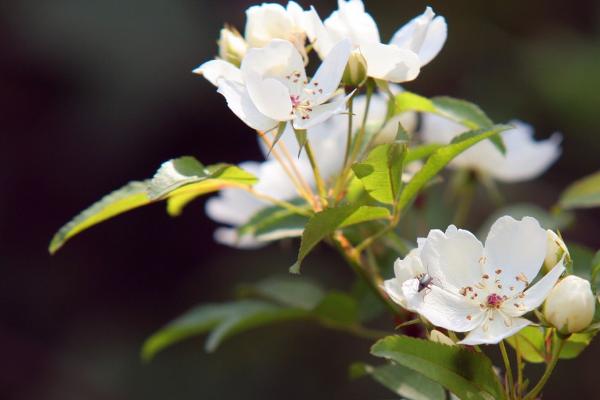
583	193
327	221
130	196
439	159
402	381
530	342
467	374
223	320
461	111
274	223
381	172
186	175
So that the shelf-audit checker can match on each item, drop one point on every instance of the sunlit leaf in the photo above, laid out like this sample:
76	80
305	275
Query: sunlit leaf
469	375
530	342
327	221
584	193
439	159
273	223
381	172
130	196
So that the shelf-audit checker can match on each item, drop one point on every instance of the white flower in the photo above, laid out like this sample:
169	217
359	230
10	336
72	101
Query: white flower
525	158
406	269
483	289
571	305
272	21
413	46
271	86
232	46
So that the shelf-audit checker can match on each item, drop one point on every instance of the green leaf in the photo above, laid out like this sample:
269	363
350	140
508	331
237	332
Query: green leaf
223	320
595	268
532	344
130	196
461	111
583	193
381	172
420	152
274	223
439	159
403	381
338	308
530	341
185	175
291	290
327	221
278	134
301	137
467	374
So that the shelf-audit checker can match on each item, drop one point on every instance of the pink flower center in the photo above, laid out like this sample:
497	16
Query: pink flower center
494	300
295	100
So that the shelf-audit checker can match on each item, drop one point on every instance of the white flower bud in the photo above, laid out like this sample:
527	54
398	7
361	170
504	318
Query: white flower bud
438	337
570	305
556	249
355	73
232	46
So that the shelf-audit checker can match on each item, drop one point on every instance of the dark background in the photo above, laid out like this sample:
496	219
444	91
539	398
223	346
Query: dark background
95	93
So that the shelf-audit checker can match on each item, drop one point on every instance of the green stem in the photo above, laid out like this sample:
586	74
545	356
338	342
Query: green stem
509	374
315	167
544	379
519	388
349	133
281	203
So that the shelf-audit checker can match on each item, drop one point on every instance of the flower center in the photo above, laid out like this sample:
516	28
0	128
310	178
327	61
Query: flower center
303	107
495	300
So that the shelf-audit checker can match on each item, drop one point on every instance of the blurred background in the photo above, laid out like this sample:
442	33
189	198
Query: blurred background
95	93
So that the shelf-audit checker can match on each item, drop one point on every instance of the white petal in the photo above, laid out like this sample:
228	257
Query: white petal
328	76
215	70
494	331
453	258
410	266
240	103
321	112
270	96
393	288
265	22
230	237
535	295
517	248
390	63
352	22
424	35
279	59
442	308
318	35
525	157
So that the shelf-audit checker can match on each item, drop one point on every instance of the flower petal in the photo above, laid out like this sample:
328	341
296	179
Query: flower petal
393	288
517	249
215	70
322	112
425	35
390	62
494	331
328	76
410	266
270	96
442	308
240	103
453	258
535	295
351	21
230	237
316	32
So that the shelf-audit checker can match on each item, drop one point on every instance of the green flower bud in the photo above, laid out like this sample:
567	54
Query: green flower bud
355	73
232	46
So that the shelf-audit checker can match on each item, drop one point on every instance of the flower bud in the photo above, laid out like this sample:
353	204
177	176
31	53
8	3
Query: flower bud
355	73
438	337
570	306
232	46
556	249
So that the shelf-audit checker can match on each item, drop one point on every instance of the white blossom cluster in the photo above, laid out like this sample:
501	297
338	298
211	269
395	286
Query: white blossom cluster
451	279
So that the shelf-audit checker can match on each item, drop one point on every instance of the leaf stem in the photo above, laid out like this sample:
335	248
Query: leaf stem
349	132
519	387
317	173
509	375
544	379
281	203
